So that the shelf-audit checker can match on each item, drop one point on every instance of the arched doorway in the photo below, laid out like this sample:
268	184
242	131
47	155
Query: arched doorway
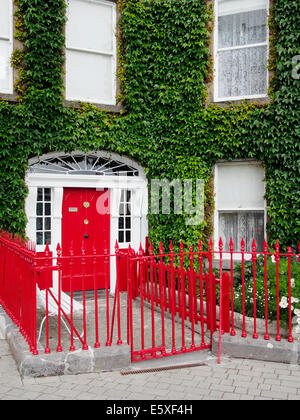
100	195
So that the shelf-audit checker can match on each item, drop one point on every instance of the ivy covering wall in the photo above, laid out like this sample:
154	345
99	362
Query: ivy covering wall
164	64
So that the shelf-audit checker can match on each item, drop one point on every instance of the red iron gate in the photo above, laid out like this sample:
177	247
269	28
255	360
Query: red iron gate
183	288
182	302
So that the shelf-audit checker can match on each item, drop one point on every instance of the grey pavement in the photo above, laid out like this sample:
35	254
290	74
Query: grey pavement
233	379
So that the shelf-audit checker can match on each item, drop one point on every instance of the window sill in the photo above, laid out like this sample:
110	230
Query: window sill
236	102
9	97
77	104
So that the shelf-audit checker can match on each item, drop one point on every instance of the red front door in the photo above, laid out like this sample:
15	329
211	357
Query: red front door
85	226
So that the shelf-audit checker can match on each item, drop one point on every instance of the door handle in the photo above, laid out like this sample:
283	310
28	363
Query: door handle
86	236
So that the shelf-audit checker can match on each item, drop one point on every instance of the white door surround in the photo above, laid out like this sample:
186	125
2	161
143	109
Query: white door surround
88	170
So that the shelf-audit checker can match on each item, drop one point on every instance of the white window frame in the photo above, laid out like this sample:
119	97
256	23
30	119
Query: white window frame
41	247
216	58
237	247
112	54
125	243
9	39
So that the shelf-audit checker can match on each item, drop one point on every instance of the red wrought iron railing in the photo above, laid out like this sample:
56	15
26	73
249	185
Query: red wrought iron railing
193	286
174	303
17	284
32	283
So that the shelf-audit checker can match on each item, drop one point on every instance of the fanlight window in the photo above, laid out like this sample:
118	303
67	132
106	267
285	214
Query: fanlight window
83	164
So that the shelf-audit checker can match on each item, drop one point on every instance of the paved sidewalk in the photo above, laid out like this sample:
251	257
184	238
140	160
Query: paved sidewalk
233	379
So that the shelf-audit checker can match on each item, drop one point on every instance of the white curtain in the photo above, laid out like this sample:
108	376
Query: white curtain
238	225
242	71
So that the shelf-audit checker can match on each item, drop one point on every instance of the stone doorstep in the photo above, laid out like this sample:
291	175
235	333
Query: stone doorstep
62	363
258	349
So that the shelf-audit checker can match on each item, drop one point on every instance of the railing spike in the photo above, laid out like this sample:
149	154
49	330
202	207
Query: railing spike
58	249
161	248
151	248
220	244
200	245
242	245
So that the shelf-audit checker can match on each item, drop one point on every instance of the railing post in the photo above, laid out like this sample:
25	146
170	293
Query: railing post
106	262
97	343
231	248
244	334
255	335
34	344
200	258
162	295
129	312
71	253
128	317
221	287
142	287
265	247
192	311
152	294
119	342
172	303
277	259
83	265
59	265
290	338
210	303
183	297
221	331
47	348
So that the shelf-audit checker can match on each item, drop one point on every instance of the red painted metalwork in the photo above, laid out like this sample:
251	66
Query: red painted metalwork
18	284
277	259
231	248
181	287
255	335
289	251
265	247
175	297
221	330
180	282
23	270
71	264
